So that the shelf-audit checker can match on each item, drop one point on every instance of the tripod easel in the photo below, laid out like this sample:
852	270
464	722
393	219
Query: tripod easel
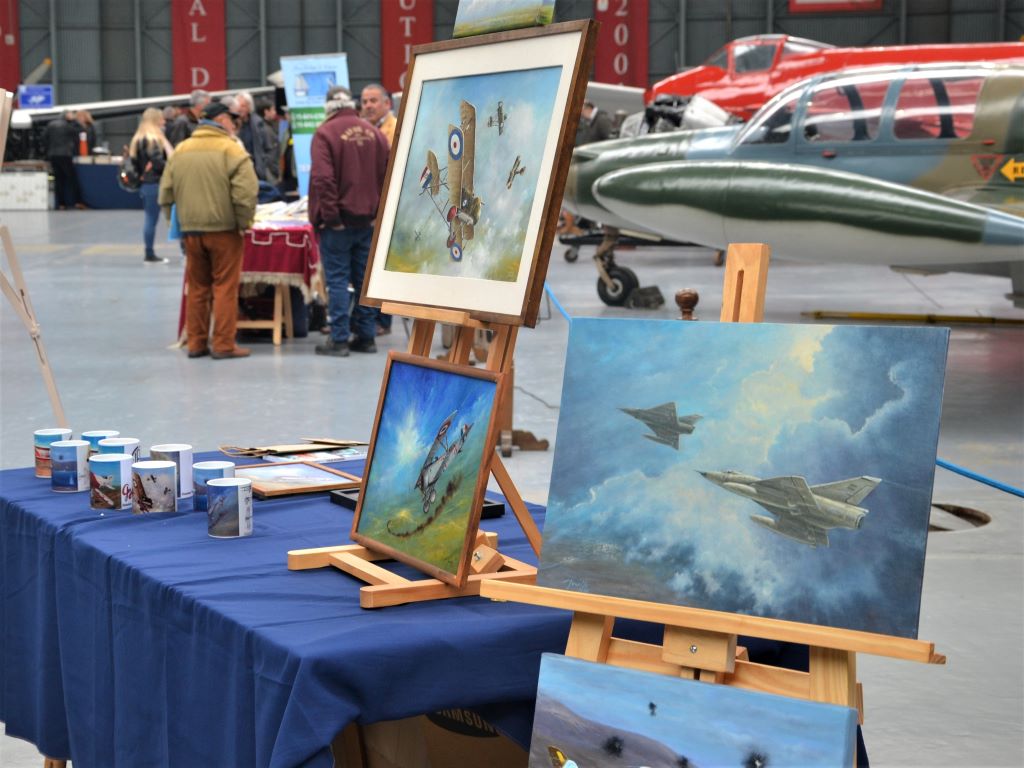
488	564
701	644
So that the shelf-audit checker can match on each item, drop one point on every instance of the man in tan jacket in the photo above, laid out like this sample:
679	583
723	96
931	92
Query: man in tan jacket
211	180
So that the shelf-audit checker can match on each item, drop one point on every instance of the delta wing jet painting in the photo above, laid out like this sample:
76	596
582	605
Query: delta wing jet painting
782	471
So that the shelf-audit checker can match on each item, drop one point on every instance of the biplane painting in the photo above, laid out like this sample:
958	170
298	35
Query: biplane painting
428	452
774	470
472	175
600	715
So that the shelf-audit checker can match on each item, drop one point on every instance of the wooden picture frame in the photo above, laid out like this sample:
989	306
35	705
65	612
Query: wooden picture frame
511	101
320	478
418	503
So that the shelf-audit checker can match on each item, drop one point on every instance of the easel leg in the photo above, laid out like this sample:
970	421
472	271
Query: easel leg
833	676
516	502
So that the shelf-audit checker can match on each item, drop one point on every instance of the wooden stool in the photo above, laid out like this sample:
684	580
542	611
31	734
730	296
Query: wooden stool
282	317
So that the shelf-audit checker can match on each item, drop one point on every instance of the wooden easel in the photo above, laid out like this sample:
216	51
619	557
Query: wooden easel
17	293
488	564
701	644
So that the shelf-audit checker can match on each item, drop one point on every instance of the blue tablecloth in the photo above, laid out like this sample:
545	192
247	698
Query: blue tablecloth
139	640
98	183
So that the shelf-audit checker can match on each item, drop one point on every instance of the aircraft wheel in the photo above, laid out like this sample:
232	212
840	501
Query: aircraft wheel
624	282
572	253
719	258
433	496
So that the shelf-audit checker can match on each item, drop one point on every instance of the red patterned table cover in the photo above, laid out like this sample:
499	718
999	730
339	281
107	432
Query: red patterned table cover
281	252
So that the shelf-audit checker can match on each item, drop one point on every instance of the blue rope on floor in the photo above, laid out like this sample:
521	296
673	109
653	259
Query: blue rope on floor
940	462
556	302
980	478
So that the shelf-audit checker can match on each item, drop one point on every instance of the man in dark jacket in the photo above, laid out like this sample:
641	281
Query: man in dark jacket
185	123
61	146
349	159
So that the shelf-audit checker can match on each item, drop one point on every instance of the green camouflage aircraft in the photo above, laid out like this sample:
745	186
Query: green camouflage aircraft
916	167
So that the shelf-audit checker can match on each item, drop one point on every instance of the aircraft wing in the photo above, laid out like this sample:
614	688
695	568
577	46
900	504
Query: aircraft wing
805	533
790	497
456	153
467	121
852	491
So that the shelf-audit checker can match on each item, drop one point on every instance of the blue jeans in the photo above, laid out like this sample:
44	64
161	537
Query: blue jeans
149	194
344	253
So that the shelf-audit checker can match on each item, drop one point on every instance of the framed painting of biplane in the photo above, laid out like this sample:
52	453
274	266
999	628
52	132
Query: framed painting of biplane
477	171
427	465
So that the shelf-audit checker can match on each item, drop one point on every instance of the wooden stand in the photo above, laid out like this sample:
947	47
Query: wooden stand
281	320
488	564
700	644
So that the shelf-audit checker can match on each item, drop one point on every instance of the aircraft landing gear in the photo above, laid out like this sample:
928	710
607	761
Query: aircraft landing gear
614	283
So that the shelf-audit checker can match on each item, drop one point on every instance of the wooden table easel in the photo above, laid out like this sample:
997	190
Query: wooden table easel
700	644
488	564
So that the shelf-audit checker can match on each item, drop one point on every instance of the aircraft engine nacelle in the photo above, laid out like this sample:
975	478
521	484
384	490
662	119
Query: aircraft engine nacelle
841	515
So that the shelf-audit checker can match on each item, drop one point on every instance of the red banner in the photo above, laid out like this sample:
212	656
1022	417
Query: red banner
198	50
403	24
10	50
621	42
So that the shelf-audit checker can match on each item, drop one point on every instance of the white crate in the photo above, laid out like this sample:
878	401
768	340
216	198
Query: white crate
24	191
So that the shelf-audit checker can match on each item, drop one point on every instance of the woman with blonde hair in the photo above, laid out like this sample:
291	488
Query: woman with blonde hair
149	150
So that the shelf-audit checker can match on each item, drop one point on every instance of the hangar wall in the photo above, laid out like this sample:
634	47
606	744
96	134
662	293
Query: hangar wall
115	49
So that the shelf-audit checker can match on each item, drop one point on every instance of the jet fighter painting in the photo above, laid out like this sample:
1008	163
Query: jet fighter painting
664	423
438	458
497	120
824	436
804	513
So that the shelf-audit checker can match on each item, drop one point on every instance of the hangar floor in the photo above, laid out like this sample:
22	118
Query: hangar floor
108	320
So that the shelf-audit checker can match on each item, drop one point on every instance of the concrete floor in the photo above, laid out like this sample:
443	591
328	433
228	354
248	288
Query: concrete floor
107	322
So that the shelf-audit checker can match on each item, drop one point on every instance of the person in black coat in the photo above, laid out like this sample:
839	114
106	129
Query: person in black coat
61	138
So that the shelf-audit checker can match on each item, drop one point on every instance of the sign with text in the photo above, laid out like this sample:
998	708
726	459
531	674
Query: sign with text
621	42
38	96
403	24
198	45
306	82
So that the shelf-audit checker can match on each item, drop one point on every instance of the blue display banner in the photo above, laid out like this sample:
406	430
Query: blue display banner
306	82
35	96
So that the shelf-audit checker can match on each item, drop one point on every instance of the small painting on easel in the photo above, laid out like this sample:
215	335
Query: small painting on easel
427	464
782	471
600	715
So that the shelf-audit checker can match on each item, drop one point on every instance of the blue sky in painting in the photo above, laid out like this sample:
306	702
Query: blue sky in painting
823	402
418	401
709	724
528	98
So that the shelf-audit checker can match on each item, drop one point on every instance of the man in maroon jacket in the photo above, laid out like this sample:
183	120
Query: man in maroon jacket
349	159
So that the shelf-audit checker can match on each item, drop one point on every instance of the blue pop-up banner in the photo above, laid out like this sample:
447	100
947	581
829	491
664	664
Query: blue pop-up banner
306	82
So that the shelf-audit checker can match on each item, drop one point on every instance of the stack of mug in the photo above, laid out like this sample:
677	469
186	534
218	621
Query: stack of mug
109	467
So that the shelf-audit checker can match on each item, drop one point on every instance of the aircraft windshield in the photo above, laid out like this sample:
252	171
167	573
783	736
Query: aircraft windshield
772	125
845	110
755	57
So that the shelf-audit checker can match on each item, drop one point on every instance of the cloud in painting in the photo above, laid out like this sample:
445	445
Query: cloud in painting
824	403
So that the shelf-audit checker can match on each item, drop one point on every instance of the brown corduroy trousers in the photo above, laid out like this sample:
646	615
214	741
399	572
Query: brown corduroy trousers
213	271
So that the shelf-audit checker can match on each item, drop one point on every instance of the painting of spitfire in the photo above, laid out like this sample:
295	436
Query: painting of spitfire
801	487
600	715
427	465
459	214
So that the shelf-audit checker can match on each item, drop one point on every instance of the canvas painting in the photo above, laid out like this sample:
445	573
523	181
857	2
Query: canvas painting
476	17
602	716
294	477
782	471
428	463
476	173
